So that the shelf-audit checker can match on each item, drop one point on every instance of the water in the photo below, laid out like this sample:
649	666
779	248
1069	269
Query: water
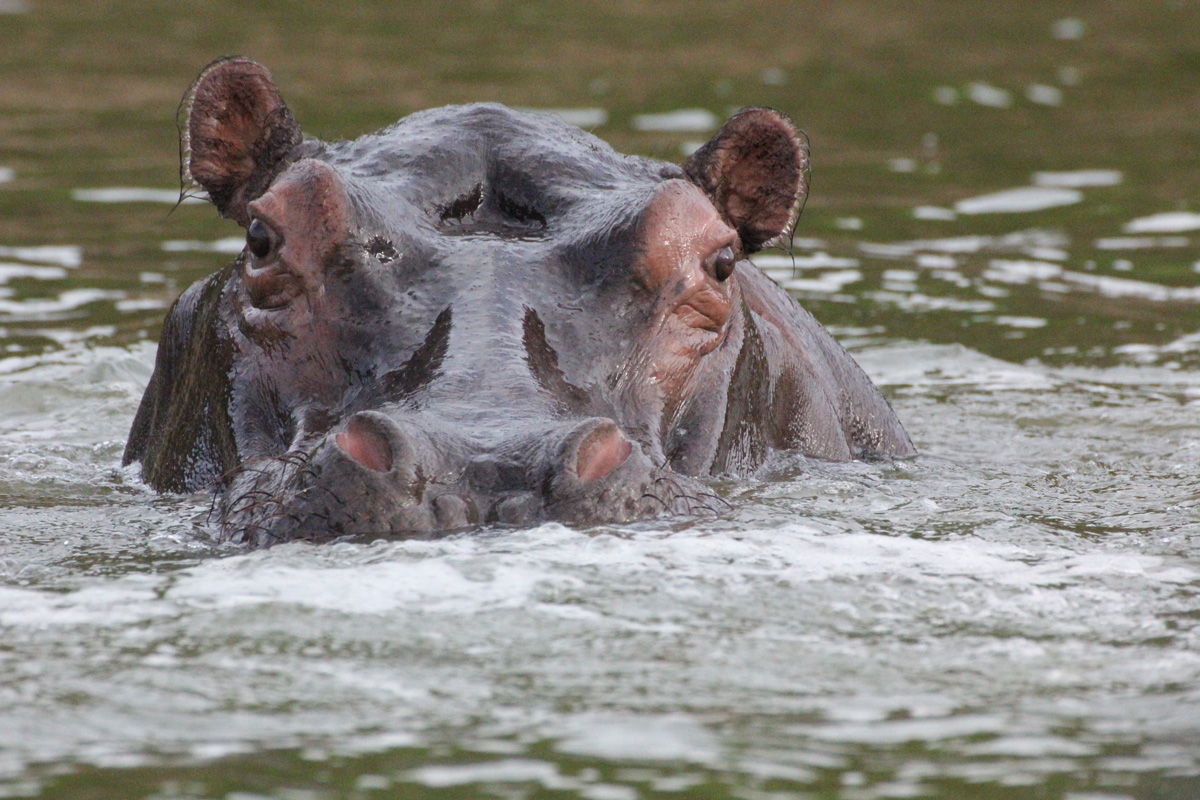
1013	614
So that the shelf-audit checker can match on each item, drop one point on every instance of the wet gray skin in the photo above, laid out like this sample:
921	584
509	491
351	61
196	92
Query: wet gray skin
478	315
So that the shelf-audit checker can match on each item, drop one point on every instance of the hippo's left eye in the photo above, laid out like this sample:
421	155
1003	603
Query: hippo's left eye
258	238
721	263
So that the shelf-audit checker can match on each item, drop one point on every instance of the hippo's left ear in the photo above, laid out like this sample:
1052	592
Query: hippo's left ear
755	171
235	134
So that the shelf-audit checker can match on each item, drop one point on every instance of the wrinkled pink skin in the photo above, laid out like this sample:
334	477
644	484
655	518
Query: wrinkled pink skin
478	315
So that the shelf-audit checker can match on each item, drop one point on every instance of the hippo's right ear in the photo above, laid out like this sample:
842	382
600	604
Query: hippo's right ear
755	171
235	134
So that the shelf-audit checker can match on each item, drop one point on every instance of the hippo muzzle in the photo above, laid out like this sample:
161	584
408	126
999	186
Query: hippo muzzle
483	316
380	474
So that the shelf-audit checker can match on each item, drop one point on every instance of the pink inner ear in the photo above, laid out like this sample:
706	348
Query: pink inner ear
366	445
600	453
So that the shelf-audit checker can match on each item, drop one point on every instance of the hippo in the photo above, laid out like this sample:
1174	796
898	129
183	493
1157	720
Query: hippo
480	316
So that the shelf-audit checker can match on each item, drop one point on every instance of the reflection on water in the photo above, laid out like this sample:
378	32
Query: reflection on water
131	194
1002	230
231	245
688	120
1078	178
1166	222
1015	201
586	118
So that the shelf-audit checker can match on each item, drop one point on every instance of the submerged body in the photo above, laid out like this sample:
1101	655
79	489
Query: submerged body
478	315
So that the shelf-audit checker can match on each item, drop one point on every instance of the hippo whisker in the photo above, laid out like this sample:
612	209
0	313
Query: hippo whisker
240	509
657	499
696	505
336	499
295	458
716	498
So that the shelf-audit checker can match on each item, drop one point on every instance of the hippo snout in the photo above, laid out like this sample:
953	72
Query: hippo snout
379	474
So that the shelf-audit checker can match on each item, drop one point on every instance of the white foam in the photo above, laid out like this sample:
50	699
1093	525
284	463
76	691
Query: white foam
896	732
122	602
7	174
672	737
513	770
437	586
1019	201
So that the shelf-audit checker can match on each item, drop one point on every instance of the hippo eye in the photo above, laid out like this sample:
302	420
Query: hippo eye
258	238
721	263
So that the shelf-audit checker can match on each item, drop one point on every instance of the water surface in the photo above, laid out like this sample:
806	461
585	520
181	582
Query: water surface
1004	231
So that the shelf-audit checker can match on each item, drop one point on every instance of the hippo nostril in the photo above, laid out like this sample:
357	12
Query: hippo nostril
453	511
518	509
366	443
600	452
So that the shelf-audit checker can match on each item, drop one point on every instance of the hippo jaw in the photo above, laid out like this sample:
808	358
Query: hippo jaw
481	316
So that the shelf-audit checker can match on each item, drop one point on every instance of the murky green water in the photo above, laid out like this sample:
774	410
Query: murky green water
1004	228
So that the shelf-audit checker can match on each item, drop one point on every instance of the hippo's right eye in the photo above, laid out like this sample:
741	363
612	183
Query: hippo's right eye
258	238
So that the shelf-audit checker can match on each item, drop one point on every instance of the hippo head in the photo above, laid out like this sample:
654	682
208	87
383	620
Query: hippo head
483	316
